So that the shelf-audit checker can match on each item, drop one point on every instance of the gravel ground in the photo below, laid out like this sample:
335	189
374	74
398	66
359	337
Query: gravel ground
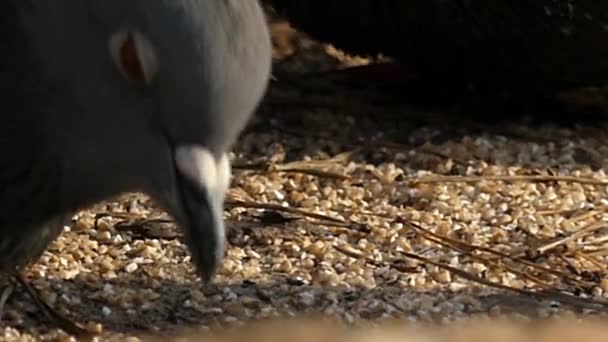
340	208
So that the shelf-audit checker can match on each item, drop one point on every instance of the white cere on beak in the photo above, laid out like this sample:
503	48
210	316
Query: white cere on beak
198	164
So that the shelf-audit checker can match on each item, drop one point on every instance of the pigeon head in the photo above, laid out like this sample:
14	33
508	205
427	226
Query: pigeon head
148	96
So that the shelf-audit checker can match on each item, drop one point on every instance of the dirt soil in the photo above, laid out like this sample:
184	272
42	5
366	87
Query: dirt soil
347	206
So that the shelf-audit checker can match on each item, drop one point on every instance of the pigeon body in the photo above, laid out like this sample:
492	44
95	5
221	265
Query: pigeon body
103	97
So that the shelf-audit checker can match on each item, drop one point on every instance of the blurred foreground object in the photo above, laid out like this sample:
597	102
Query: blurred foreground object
473	331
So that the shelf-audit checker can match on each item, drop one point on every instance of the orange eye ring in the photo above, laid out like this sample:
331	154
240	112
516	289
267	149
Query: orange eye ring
134	56
129	59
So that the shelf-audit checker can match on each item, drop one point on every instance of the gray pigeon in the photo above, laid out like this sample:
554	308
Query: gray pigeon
102	97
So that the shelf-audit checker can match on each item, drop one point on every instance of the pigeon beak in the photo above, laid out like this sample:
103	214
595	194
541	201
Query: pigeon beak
203	181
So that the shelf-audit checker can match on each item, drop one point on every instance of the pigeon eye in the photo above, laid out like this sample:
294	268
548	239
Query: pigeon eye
134	56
